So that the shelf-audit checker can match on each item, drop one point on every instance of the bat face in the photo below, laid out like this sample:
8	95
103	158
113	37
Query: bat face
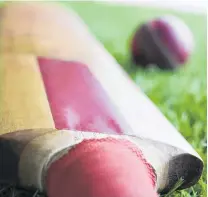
56	76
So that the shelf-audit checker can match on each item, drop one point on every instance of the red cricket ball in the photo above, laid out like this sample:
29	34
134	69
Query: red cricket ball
166	42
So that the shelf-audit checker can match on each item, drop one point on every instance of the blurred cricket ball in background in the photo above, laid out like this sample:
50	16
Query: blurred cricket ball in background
165	42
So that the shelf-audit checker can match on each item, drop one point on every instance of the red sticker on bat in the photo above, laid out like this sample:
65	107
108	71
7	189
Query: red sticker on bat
77	99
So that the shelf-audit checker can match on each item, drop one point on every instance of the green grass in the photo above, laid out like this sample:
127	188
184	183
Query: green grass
181	95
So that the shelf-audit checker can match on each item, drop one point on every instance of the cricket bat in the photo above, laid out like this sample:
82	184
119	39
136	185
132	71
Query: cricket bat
56	75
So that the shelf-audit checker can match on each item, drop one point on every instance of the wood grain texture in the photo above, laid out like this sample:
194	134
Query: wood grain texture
42	29
23	101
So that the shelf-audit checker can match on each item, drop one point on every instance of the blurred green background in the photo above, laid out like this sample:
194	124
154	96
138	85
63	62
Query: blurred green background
181	95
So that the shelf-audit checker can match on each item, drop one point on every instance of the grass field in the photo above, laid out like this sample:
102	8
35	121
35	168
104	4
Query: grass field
181	95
